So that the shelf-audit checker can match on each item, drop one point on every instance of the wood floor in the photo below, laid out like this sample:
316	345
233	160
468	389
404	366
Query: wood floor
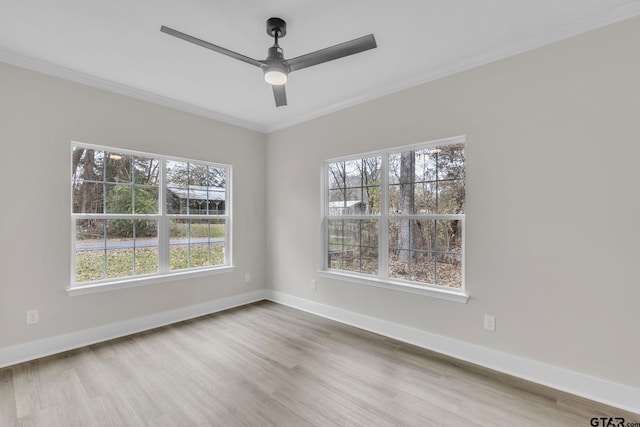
269	365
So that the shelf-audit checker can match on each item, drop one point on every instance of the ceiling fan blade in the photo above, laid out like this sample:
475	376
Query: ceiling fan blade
211	46
334	52
280	95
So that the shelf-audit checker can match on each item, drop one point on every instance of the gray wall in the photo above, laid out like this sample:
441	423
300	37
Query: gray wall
40	115
553	195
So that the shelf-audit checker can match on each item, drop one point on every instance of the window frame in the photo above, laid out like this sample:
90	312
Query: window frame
382	278
163	218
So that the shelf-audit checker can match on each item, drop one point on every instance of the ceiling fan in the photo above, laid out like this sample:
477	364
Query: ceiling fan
276	69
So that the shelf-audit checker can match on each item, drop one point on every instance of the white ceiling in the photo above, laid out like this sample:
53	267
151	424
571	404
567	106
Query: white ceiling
117	45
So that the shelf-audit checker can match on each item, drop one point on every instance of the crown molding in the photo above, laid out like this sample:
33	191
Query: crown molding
32	64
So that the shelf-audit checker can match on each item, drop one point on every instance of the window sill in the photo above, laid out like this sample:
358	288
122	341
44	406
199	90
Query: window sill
427	290
143	281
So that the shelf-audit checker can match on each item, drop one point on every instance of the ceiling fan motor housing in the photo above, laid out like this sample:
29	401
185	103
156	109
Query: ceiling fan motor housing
276	25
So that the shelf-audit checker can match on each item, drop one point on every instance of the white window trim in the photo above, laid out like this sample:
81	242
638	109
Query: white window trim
382	280
136	281
163	274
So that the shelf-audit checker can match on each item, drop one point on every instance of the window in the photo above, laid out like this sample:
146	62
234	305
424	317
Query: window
139	215
398	216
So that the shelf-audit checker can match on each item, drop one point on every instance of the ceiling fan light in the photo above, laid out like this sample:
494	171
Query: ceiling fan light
275	77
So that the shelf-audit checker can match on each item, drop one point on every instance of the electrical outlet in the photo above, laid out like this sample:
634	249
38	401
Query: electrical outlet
32	317
247	277
489	322
314	284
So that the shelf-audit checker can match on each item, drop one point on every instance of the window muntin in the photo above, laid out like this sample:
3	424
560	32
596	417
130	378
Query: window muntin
195	188
353	245
432	255
354	186
411	209
138	214
196	243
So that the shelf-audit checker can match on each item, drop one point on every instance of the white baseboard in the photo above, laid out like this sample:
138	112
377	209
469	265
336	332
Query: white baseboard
48	346
599	390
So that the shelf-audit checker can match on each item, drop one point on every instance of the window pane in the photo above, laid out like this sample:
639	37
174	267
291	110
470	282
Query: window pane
449	236
198	175
195	189
418	247
401	199
423	267
199	238
336	175
399	264
394	200
450	197
348	207
198	254
178	244
394	168
400	234
337	202
177	174
449	270
217	177
146	260
196	201
88	197
451	162
423	235
119	198
90	249
425	165
119	263
424	198
335	232
353	173
146	199
146	246
354	187
87	164
217	230
402	166
177	200
217	200
369	233
369	260
352	259
353	245
120	248
119	167
371	200
146	171
336	256
196	243
372	168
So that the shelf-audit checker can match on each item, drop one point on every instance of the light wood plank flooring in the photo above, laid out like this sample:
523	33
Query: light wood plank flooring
269	365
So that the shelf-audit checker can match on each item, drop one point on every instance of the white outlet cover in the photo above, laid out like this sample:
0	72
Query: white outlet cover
32	317
489	322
